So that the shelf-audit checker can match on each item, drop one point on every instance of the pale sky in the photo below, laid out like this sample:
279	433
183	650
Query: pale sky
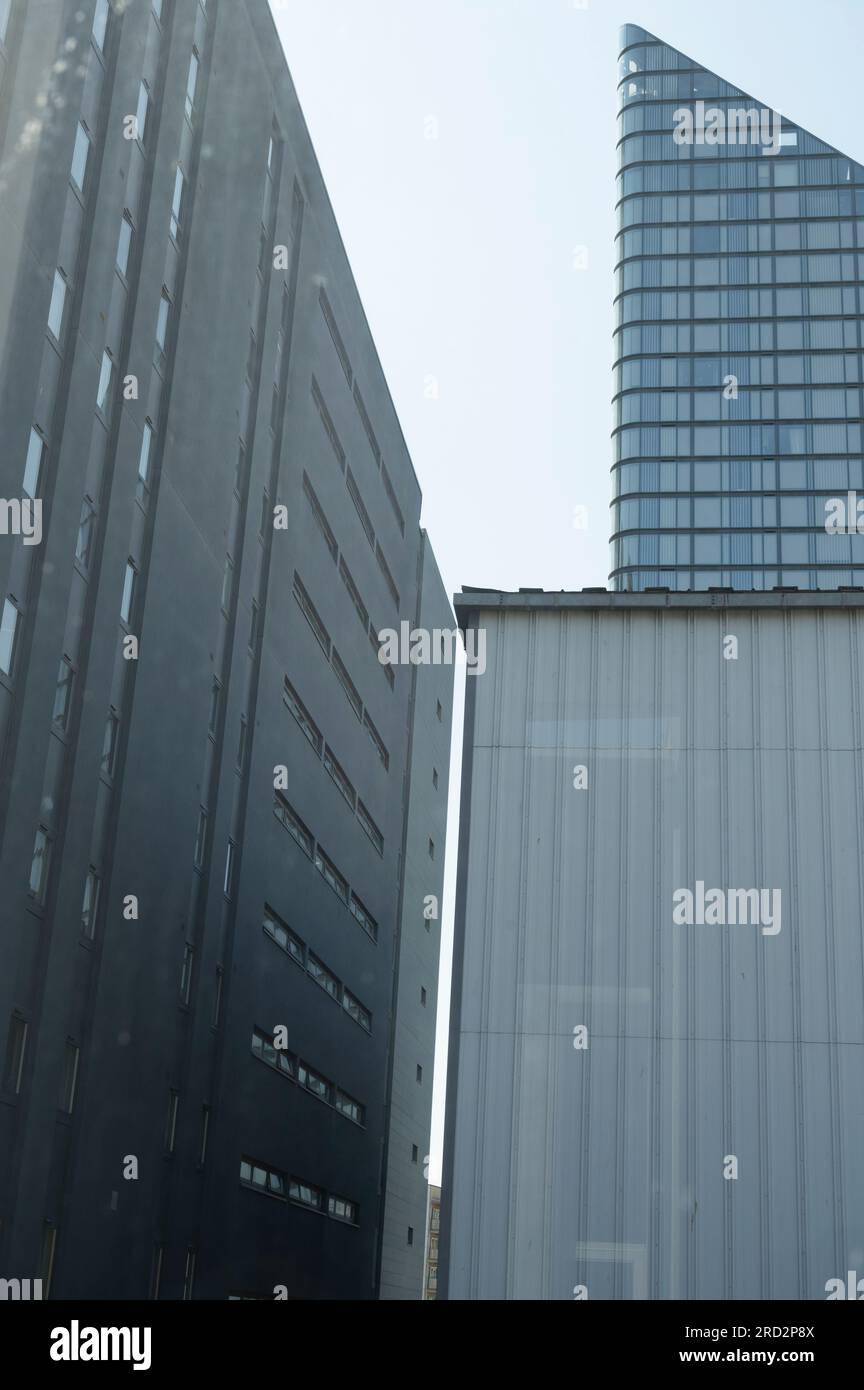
468	147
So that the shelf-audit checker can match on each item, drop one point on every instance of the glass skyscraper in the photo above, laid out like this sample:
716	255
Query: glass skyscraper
738	339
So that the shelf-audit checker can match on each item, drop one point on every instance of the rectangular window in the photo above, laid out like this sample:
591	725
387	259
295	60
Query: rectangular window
415	1153
143	485
422	997
33	466
16	1047
106	382
192	83
100	24
109	743
205	1131
303	717
171	1121
215	699
124	244
162	319
241	744
388	578
63	694
347	685
377	741
80	156
8	637
364	917
186	972
342	1210
327	422
313	1081
142	111
361	509
419	1075
46	1260
439	712
57	307
367	425
310	613
127	603
284	936
240	472
322	976
331	875
350	1108
410	1235
339	777
352	1006
391	497
261	1178
217	997
84	542
330	320
253	627
230	865
318	513
5	8
431	849
40	865
227	585
177	201
306	1194
90	905
370	828
359	605
189	1274
157	10
251	357
156	1274
69	1079
265	1050
435	778
294	825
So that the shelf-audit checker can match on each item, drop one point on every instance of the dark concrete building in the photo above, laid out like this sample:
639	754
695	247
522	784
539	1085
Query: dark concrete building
218	808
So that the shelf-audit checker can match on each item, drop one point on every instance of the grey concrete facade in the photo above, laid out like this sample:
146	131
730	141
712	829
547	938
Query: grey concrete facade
620	749
243	505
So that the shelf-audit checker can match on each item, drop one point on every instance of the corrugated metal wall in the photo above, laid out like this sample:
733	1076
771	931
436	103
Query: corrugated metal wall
603	1167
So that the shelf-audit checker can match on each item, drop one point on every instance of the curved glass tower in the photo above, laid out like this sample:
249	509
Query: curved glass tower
738	339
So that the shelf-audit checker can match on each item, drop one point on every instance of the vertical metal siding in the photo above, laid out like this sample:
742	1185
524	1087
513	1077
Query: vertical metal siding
605	1167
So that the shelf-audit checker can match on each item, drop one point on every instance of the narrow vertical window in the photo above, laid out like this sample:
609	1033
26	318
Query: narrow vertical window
80	156
142	111
109	743
227	585
156	1276
177	203
162	319
128	600
40	865
241	747
57	307
46	1263
69	1080
143	485
192	83
106	383
8	637
217	1001
230	865
16	1048
200	838
186	972
124	243
63	694
189	1274
100	24
171	1121
205	1130
5	8
33	466
85	533
90	905
215	694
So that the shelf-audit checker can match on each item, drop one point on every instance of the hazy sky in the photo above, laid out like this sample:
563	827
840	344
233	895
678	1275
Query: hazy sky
469	149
